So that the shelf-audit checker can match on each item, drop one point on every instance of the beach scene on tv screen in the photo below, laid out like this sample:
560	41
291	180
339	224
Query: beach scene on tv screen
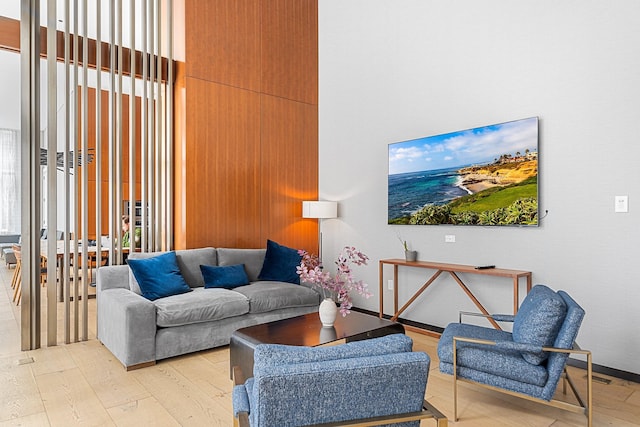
482	176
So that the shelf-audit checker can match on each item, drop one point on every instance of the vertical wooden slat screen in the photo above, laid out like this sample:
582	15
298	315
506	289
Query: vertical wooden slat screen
85	202
52	148
169	146
30	314
133	126
66	258
112	151
98	138
75	324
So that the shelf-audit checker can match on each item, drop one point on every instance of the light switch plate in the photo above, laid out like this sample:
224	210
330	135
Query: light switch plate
622	204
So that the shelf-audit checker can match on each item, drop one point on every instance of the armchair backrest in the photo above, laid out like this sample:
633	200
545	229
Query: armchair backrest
565	339
539	320
300	385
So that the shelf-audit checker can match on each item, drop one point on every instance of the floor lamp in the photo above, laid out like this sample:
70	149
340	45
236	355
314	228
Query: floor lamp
321	210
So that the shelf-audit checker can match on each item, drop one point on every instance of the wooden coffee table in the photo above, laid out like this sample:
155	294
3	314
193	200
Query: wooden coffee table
305	330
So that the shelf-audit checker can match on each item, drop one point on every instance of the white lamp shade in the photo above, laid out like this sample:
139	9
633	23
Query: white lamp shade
319	209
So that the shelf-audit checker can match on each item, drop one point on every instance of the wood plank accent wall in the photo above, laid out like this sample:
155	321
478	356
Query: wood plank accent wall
247	124
103	157
223	42
289	36
288	175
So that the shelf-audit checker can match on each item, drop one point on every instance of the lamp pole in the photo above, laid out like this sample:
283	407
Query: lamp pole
319	209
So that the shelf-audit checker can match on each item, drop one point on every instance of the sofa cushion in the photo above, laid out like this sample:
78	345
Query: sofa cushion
224	276
268	296
9	239
280	264
538	321
189	261
251	258
201	305
159	276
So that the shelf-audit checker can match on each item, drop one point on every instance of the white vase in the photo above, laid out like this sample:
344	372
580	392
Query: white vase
328	312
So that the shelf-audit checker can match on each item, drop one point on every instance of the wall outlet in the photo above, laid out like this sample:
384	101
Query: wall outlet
450	238
390	284
622	204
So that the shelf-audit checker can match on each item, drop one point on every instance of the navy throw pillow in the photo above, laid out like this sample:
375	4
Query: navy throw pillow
280	263
225	276
159	276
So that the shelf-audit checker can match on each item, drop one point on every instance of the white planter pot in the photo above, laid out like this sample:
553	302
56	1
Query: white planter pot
328	312
411	256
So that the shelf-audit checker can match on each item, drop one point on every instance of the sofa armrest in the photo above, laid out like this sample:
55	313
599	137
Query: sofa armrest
112	277
127	326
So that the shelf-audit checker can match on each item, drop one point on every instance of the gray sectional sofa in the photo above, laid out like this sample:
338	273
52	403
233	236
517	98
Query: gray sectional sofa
139	331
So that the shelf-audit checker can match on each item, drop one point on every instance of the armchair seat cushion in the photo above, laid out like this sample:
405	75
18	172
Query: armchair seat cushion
488	359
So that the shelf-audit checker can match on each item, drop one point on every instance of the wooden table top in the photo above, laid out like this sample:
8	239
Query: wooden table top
458	268
306	330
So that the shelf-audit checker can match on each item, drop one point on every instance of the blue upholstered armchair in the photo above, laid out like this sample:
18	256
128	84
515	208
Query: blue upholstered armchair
380	381
527	362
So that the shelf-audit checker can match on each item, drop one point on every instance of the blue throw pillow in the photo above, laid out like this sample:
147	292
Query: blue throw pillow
226	276
159	276
280	263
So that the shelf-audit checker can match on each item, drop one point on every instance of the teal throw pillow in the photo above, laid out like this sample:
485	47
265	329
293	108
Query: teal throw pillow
226	276
159	276
280	263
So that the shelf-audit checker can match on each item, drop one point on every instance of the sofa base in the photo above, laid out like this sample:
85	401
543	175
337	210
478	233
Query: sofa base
140	366
178	340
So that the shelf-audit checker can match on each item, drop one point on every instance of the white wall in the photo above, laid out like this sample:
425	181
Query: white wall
397	70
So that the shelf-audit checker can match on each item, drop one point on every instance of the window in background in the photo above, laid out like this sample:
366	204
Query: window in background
9	181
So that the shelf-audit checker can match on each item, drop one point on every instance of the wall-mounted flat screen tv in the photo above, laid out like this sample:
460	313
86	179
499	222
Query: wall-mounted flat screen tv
482	176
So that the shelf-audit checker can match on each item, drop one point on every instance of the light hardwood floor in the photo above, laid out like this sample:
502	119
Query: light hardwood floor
83	384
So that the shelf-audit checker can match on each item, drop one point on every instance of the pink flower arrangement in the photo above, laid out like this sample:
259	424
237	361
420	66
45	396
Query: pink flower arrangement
342	283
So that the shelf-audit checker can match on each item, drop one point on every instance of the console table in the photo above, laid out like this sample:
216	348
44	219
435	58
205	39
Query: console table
453	270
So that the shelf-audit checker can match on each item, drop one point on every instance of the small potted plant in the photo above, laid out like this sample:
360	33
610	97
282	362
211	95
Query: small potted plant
409	255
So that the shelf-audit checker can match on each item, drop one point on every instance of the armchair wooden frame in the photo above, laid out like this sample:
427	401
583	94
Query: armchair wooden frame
428	411
582	406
